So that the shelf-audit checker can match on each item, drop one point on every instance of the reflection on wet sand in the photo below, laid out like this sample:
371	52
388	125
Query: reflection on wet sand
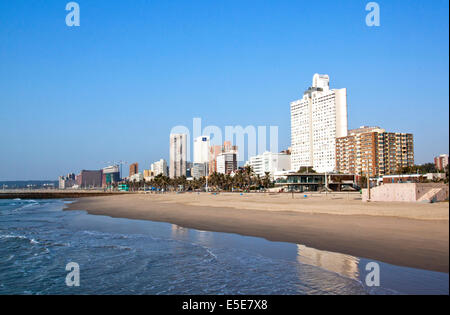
205	238
342	264
179	233
345	265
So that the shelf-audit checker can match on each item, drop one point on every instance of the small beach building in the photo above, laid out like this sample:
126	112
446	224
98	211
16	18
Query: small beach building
305	182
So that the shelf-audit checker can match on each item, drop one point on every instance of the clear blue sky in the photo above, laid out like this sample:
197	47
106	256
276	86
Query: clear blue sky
112	89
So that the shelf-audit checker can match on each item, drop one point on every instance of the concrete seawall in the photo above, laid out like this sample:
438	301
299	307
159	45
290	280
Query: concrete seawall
408	192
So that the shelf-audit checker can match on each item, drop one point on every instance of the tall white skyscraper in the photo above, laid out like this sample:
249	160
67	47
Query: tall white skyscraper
316	121
178	155
201	149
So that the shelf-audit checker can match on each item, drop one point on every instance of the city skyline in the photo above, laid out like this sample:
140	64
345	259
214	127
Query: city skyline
58	115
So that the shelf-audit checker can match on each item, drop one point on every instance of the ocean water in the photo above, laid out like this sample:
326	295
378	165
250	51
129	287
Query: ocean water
121	256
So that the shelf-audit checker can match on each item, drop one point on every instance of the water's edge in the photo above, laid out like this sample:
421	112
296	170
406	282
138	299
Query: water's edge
124	256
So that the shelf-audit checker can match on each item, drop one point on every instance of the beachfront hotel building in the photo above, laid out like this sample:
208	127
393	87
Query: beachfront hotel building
270	162
316	121
178	155
373	151
159	168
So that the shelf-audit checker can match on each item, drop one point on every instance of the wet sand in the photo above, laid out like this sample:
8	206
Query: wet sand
404	234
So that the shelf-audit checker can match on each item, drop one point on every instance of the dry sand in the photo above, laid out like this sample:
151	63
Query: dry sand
407	234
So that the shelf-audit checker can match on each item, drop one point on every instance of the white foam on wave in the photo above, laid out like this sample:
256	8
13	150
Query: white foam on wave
19	237
8	236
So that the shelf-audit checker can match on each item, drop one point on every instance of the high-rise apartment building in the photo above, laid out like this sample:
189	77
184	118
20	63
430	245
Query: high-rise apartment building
395	151
134	169
316	121
373	150
201	157
441	162
159	168
178	155
201	149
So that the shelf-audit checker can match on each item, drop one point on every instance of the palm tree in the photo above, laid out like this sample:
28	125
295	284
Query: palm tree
214	180
266	180
248	174
239	180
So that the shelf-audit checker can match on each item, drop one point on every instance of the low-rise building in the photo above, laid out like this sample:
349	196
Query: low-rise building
90	179
148	175
111	175
411	178
199	170
136	177
311	182
67	181
270	162
404	178
226	162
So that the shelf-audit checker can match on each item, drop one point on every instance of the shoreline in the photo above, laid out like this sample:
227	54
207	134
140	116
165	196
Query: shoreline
54	194
420	242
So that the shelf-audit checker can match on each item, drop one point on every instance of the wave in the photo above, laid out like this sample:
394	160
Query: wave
119	247
19	237
7	236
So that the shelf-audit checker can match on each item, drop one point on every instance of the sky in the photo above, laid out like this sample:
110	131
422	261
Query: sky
74	98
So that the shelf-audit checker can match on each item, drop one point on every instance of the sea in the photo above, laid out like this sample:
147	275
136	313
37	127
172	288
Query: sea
40	243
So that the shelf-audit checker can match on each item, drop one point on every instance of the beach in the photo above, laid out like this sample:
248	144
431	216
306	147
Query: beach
406	234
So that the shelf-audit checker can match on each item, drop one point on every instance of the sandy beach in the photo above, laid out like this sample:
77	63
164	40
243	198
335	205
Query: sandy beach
405	234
